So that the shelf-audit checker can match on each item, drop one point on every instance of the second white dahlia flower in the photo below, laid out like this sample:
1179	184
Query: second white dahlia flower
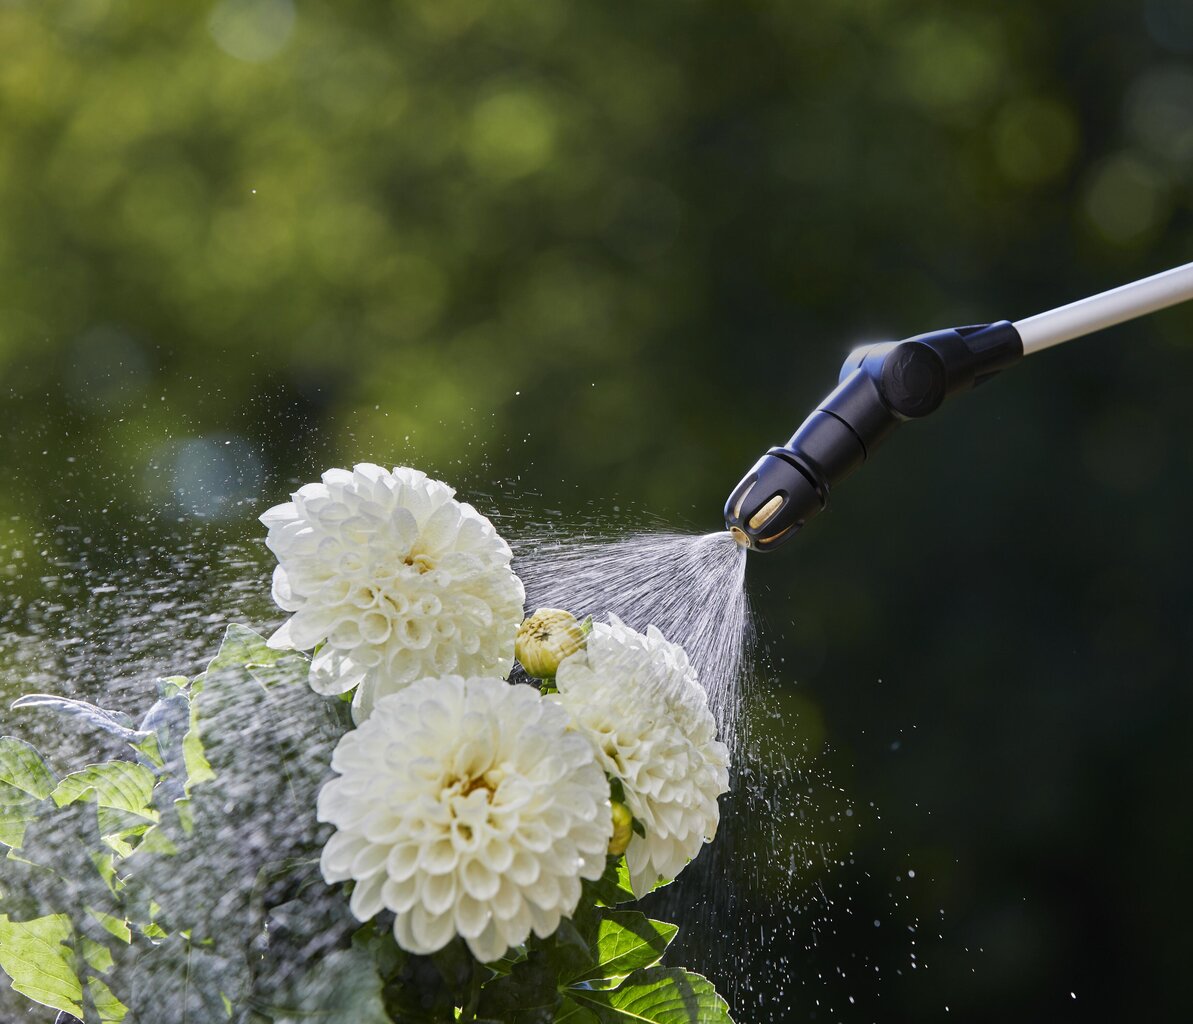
396	578
467	807
638	701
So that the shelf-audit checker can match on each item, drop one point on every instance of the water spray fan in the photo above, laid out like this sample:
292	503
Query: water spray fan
884	385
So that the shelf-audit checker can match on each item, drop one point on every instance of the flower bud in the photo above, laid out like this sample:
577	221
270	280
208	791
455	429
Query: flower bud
545	639
623	829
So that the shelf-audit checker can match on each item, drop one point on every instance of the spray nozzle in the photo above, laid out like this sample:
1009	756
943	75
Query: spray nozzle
880	386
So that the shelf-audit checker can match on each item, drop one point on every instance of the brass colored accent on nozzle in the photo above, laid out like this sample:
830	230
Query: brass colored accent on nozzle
739	535
760	518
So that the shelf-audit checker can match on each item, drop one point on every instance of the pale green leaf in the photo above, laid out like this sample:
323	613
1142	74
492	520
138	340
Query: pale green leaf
41	967
657	995
627	941
115	722
22	768
122	785
97	955
114	925
17	810
111	1010
242	646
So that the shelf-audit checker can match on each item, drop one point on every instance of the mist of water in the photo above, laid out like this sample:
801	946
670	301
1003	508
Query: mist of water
692	587
101	624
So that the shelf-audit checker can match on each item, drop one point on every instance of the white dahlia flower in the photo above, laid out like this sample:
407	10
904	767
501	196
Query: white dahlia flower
638	701
401	580
467	807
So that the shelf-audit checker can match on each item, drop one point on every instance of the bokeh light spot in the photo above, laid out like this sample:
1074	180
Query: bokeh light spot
212	476
1125	200
1160	115
512	134
1034	139
252	30
1170	23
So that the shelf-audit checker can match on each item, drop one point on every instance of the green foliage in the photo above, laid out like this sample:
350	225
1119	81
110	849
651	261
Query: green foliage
598	967
657	995
25	784
119	898
115	893
627	941
36	956
22	768
121	785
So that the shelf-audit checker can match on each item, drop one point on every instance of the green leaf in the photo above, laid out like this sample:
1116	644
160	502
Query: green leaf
505	964
569	950
627	941
178	982
341	986
22	768
242	646
121	785
198	769
110	1009
529	994
40	965
17	811
613	887
571	1012
115	722
97	955
657	995
116	926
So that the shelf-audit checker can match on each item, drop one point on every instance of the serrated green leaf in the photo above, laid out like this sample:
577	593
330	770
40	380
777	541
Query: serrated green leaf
17	811
657	995
529	994
243	646
627	941
97	955
38	962
117	827
172	686
122	785
115	926
613	887
22	768
110	1009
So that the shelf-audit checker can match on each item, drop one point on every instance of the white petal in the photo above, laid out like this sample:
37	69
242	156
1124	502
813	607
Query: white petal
366	900
280	640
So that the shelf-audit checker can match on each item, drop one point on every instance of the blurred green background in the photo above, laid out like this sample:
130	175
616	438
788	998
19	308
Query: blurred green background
579	256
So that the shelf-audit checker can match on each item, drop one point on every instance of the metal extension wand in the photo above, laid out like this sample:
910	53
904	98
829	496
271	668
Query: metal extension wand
883	385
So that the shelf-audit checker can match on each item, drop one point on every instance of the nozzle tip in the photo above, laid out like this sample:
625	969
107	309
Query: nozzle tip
739	535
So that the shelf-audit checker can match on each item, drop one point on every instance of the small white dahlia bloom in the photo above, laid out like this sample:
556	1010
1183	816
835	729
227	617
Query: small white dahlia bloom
638	701
401	580
467	807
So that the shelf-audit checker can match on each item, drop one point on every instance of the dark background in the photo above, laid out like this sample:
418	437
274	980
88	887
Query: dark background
578	256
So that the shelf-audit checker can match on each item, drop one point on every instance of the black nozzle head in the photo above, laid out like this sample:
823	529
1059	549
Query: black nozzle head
772	502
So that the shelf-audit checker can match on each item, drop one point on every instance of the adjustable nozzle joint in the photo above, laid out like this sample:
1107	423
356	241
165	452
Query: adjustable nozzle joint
880	386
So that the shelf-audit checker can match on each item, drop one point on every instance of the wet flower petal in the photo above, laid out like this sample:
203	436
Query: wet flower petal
445	815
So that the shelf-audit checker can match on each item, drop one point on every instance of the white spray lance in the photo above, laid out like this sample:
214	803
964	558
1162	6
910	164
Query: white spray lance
884	385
